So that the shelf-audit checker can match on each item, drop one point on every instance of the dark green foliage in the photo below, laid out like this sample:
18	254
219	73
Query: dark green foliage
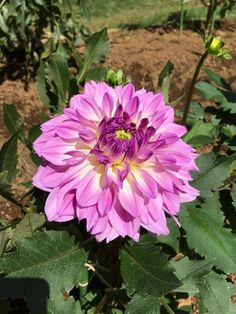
31	29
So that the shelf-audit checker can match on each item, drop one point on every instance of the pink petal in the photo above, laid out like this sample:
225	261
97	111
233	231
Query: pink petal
127	199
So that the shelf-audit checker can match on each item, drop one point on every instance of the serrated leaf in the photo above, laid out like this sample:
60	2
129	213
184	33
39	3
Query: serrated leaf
226	99
63	306
28	225
96	48
210	92
5	187
58	76
214	293
213	171
41	85
196	112
12	119
218	244
190	272
145	270
141	305
49	255
8	156
217	79
201	133
172	238
165	78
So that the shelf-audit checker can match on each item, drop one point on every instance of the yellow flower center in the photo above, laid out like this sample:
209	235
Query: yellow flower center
215	42
123	135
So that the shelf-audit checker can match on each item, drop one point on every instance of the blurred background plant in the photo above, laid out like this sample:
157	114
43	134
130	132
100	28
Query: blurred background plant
31	30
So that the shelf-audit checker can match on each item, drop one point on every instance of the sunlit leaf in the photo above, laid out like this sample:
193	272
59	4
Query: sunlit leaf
213	171
214	293
141	305
145	270
49	255
206	235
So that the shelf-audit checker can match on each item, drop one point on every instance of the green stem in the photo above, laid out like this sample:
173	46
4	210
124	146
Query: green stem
210	16
181	16
191	89
166	306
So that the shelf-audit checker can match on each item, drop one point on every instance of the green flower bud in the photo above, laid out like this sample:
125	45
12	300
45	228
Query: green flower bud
214	46
116	78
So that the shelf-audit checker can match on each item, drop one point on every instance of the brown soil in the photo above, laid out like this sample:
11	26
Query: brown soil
141	54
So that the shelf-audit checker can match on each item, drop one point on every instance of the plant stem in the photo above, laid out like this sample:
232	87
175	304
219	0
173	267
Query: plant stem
210	16
181	16
193	82
166	306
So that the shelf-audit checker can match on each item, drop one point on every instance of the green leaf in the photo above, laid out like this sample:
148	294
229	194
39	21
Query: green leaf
196	112
28	225
141	305
229	130
218	243
12	119
5	187
172	238
96	48
41	85
217	79
233	194
3	25
58	76
145	270
226	99
34	133
201	133
165	79
190	272
210	92
213	171
214	293
63	306
95	74
232	308
8	156
49	255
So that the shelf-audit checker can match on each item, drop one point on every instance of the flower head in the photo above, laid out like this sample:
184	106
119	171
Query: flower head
115	158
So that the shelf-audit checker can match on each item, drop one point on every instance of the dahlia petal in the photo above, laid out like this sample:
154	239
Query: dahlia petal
57	211
106	201
171	202
51	175
86	107
132	106
146	184
89	190
107	104
127	199
55	150
38	182
87	135
128	91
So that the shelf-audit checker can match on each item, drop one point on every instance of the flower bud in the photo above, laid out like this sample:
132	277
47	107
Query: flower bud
214	46
116	78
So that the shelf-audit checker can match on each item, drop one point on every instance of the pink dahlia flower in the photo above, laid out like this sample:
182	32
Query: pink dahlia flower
115	158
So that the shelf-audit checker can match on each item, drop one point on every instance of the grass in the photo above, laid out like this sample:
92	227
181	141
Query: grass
143	13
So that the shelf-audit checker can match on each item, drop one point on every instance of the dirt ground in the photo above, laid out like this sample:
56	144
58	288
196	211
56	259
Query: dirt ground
141	54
